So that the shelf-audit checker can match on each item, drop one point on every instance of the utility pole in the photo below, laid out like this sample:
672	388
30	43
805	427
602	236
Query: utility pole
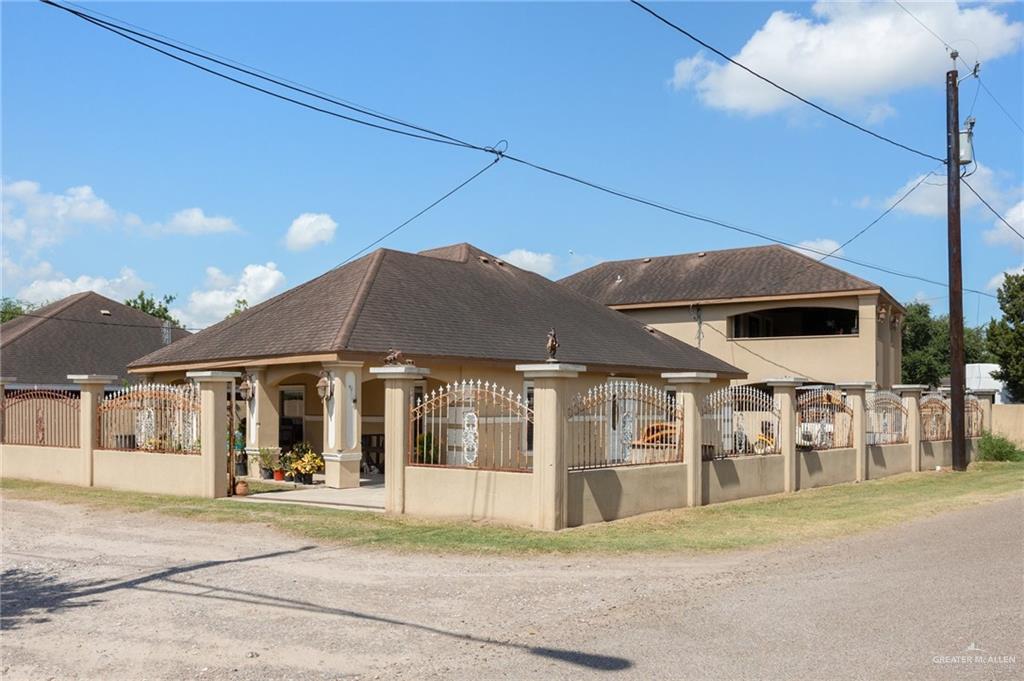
957	379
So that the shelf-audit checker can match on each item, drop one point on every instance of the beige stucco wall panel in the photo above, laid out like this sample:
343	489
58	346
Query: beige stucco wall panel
62	465
884	460
468	494
742	477
1008	421
826	467
157	473
602	494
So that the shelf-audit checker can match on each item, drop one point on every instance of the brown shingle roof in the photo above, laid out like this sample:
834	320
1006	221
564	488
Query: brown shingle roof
712	275
456	302
71	336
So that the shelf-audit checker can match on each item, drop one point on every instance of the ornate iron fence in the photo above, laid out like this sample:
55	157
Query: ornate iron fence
974	417
46	418
623	423
823	419
887	419
935	422
152	418
737	421
471	425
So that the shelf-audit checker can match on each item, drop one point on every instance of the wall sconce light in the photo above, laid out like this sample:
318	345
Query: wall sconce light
245	388
324	387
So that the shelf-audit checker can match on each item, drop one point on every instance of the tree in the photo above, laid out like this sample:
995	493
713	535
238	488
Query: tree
12	307
1006	335
926	345
241	305
151	306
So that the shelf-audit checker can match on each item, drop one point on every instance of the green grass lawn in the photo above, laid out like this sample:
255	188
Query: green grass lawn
811	514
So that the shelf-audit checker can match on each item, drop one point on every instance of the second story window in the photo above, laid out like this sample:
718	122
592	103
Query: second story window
794	321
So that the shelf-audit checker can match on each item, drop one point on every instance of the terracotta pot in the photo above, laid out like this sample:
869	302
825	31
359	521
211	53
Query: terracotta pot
279	475
241	488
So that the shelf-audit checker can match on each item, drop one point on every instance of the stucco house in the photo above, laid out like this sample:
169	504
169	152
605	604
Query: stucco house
83	333
769	310
456	311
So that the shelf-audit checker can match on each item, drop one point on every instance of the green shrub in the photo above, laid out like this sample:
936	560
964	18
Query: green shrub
998	448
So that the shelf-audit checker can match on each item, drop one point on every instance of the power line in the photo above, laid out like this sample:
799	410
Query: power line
262	307
775	85
993	210
967	66
999	104
888	210
501	154
121	32
103	323
250	71
726	225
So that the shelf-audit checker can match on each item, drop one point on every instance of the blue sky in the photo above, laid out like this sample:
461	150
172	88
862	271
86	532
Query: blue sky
123	169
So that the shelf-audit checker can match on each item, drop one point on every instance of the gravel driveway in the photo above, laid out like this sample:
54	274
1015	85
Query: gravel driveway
95	595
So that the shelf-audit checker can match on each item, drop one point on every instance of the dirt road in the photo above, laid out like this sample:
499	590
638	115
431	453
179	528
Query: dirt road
94	595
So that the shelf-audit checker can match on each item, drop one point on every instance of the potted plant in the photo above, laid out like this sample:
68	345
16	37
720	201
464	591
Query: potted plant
278	471
266	464
305	462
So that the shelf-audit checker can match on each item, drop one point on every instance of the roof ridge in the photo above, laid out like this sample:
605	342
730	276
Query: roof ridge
35	320
345	330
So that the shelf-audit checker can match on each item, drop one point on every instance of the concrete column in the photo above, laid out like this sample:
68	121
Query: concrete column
213	428
343	449
855	393
91	390
550	467
691	387
266	411
785	390
912	394
986	397
398	386
4	382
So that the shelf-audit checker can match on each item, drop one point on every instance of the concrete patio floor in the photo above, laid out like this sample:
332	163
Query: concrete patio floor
369	496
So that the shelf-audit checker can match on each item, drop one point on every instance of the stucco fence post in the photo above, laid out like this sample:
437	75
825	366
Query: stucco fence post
785	391
91	388
398	387
912	397
855	396
986	397
213	428
691	388
550	464
4	380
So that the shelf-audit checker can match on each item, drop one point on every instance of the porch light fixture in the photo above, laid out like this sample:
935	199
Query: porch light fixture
323	387
245	388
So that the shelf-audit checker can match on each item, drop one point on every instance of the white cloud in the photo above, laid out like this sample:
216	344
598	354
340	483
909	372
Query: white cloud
548	264
308	230
125	285
848	54
217	299
35	219
930	198
194	221
997	281
543	264
817	248
1000	234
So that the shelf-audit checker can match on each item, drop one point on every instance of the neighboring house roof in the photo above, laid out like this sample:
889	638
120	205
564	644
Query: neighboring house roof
72	336
452	302
759	271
